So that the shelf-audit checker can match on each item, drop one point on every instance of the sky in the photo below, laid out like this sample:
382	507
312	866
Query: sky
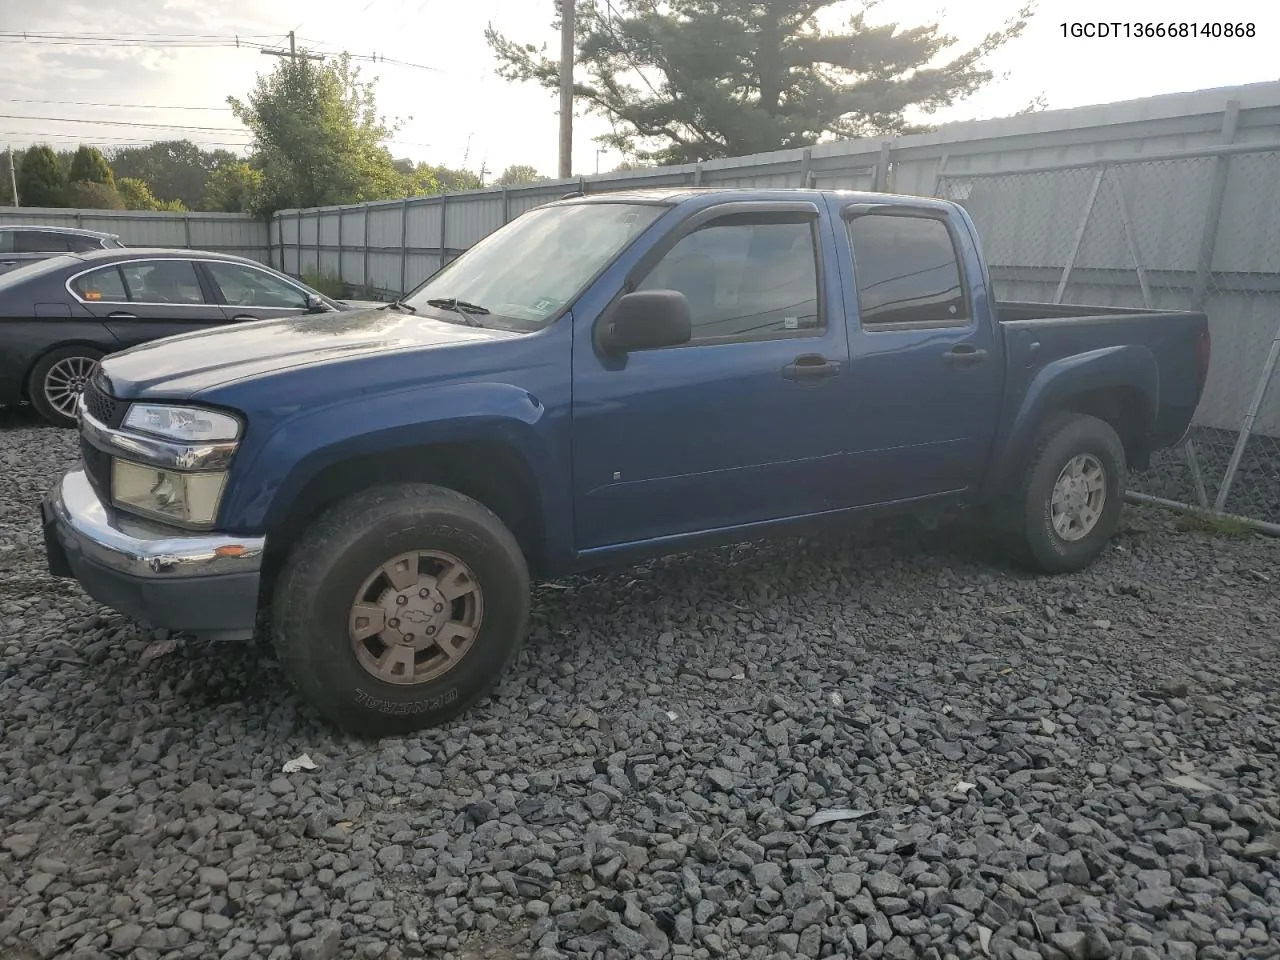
454	109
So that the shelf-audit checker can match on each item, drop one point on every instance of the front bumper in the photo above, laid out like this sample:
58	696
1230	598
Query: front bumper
202	583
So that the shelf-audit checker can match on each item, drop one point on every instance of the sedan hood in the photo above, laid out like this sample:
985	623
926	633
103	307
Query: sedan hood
178	367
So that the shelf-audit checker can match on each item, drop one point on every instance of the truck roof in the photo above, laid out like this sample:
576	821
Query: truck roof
680	194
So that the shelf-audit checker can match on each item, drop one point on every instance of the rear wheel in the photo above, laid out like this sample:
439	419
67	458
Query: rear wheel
58	379
400	608
1071	494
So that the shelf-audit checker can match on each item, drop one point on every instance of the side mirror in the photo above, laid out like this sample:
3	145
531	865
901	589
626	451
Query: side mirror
316	304
647	320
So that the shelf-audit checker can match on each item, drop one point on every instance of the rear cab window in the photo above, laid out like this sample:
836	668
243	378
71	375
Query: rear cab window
907	273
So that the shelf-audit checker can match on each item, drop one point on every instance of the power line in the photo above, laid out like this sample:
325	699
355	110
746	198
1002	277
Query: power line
122	123
105	35
122	106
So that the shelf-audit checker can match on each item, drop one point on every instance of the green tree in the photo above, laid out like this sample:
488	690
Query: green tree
91	195
136	195
317	136
416	180
519	173
688	80
41	182
171	169
91	166
232	188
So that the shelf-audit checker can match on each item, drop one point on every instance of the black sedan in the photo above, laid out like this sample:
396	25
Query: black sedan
58	317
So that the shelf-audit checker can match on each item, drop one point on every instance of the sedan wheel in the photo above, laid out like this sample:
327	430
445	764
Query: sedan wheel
58	380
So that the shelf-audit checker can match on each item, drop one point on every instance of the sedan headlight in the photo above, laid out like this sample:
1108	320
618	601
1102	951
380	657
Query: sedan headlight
191	424
184	498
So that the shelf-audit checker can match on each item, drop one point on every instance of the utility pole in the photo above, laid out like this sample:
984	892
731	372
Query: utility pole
293	54
13	178
566	88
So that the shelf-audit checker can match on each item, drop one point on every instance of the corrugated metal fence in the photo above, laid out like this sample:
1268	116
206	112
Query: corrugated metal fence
234	233
1170	202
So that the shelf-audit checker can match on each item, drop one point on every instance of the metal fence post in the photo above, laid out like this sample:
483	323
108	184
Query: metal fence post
365	271
806	167
341	273
319	233
697	174
1213	213
1079	237
297	240
506	205
444	228
881	183
939	174
1131	241
1246	428
186	229
404	242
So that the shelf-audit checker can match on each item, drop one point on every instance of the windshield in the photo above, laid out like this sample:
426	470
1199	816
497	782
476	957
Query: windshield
524	274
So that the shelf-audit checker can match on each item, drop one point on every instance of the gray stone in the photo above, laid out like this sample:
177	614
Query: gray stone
882	884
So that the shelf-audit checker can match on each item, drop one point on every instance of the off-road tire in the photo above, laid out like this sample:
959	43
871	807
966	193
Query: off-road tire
1033	539
313	597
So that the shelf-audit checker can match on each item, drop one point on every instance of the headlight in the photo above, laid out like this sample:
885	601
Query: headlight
184	498
181	423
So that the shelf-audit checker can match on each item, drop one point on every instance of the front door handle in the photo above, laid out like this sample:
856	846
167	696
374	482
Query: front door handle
811	366
964	354
121	315
243	318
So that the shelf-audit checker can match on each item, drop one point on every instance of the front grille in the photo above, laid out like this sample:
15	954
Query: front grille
103	407
97	467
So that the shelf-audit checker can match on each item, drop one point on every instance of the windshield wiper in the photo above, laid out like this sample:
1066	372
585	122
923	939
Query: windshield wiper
400	305
461	308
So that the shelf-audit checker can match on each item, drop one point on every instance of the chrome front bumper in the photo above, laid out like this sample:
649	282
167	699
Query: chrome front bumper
197	582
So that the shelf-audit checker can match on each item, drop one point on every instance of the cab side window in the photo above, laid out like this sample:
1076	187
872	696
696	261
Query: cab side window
907	272
746	277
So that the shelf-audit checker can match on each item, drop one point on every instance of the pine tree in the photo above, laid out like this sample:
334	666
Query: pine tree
691	80
41	182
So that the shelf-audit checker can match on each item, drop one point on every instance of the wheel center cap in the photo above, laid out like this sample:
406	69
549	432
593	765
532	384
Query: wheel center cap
415	616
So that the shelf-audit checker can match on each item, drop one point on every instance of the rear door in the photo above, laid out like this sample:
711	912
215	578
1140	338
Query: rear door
146	299
248	293
926	369
18	247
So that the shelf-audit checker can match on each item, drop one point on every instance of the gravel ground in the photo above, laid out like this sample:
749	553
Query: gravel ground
1080	767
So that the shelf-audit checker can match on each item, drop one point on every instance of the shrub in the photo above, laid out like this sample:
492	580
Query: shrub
330	284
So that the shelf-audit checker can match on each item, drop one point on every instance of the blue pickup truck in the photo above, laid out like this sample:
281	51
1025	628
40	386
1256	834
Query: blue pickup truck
604	379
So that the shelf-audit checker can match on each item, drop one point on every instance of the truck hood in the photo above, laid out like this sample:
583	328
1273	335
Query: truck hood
179	367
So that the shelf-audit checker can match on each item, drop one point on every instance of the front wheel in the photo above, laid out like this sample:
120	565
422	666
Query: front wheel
1072	493
400	608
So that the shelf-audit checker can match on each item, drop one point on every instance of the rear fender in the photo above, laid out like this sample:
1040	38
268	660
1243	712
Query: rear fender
1062	384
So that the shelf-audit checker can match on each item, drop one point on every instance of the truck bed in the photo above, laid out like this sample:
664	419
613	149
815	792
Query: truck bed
1168	349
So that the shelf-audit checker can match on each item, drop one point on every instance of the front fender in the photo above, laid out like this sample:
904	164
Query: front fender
1128	366
263	487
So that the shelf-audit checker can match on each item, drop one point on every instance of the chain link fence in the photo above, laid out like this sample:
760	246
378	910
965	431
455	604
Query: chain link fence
1197	230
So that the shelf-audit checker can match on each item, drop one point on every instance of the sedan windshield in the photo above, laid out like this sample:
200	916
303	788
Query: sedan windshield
523	275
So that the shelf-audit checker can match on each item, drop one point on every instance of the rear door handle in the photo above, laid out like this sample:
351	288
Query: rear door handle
120	315
964	354
243	318
811	366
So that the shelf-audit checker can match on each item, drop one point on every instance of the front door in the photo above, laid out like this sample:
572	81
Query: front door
248	293
738	426
143	300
